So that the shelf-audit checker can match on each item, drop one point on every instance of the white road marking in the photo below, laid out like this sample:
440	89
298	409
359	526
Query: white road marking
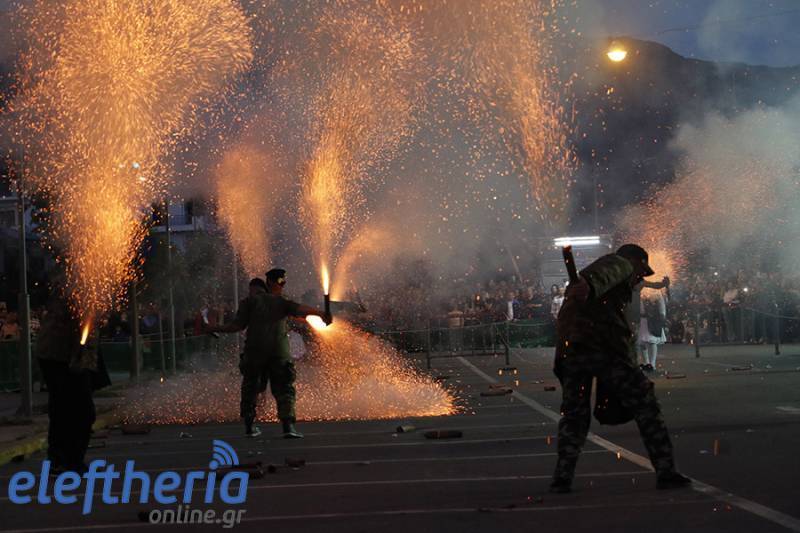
763	511
388	513
426	442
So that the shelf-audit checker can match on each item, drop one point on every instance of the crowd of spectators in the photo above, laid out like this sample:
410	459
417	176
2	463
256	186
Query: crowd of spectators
715	305
741	306
720	306
10	329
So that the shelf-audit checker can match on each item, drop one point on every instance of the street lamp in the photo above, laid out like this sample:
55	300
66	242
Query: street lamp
617	52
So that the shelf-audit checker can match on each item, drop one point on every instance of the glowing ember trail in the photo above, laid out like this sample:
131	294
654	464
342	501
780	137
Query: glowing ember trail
107	89
348	374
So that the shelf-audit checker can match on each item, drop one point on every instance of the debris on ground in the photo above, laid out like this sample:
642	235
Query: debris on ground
444	434
495	390
295	462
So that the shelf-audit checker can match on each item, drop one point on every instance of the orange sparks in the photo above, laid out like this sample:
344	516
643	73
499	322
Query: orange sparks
107	90
363	67
346	374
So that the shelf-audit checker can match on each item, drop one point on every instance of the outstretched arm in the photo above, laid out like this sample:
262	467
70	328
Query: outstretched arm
233	327
305	310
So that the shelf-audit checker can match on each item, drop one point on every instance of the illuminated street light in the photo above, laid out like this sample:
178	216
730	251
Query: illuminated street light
617	52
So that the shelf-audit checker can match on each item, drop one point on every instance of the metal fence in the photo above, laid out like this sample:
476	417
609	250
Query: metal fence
118	355
742	325
474	340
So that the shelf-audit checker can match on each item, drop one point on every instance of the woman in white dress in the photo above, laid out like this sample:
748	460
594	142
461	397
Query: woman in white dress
652	326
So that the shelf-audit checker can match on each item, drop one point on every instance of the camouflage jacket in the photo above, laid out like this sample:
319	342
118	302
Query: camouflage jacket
264	316
600	324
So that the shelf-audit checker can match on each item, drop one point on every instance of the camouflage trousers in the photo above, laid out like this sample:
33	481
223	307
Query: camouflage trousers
633	390
256	375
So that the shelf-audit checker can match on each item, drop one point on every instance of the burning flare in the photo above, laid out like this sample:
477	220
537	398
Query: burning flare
316	322
85	332
326	280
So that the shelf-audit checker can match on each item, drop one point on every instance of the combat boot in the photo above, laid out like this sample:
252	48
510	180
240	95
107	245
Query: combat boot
561	486
289	431
672	480
251	431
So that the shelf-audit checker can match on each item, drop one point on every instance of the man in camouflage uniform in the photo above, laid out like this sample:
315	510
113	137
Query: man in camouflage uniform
595	340
266	355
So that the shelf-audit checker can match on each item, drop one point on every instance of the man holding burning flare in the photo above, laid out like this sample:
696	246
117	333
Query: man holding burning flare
266	355
595	340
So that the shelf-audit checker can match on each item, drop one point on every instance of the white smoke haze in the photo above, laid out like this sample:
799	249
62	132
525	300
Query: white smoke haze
736	192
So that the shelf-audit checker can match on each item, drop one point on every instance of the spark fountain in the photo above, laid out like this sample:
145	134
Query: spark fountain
514	91
360	66
107	91
350	375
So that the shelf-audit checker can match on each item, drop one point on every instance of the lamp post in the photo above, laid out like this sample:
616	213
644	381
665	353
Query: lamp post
171	302
25	370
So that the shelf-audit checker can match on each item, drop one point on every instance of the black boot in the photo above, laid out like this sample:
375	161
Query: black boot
289	431
561	486
250	430
672	480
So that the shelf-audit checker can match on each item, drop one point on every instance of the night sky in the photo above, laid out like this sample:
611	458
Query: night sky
760	32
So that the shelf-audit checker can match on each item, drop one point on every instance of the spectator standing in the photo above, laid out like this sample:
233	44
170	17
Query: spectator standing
556	300
652	325
9	331
455	323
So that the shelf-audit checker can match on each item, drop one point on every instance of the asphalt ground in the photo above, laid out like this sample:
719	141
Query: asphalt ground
736	431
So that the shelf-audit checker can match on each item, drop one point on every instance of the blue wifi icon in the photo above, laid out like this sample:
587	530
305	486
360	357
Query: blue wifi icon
222	454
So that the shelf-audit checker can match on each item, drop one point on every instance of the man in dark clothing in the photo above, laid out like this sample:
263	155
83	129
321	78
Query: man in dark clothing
266	355
595	340
67	370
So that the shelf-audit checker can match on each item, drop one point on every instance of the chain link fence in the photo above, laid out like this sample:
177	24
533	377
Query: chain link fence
497	338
